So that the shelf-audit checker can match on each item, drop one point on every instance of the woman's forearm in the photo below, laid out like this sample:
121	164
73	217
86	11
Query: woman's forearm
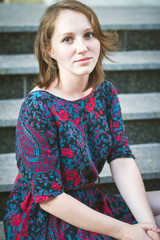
129	182
78	214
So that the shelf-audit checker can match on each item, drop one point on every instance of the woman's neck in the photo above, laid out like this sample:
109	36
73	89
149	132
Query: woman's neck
70	89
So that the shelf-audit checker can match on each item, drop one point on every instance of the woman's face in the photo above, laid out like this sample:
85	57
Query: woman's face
73	44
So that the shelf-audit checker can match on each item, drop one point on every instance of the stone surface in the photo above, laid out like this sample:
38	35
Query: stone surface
30	80
118	3
18	64
142	40
29	15
16	42
133	60
131	40
11	86
147	161
16	86
23	1
150	185
2	237
8	166
140	106
137	81
7	139
143	131
9	110
124	18
4	197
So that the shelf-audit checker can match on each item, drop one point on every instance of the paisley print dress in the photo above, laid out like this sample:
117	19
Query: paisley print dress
60	146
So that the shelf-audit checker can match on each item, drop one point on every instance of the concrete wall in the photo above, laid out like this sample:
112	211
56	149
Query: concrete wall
116	2
22	1
122	2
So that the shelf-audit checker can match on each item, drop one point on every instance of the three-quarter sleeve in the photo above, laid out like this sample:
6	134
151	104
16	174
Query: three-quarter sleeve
37	150
120	145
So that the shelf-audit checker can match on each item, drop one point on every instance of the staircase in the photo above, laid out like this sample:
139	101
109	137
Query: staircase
136	75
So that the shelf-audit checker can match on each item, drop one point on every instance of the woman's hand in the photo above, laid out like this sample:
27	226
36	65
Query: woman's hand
145	231
153	235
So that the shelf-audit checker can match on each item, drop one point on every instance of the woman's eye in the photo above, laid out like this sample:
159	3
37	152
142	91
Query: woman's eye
68	40
89	35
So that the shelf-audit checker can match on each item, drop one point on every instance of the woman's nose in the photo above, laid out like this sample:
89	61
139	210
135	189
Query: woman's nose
81	46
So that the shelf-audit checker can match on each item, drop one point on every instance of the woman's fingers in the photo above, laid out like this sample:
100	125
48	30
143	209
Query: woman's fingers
137	231
150	226
153	235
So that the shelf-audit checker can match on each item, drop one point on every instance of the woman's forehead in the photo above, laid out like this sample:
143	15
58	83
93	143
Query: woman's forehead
69	20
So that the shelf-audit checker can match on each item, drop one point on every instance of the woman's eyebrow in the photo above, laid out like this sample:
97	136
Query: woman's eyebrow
71	33
88	29
66	33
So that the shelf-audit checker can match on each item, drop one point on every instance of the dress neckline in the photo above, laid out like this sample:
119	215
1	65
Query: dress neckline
63	99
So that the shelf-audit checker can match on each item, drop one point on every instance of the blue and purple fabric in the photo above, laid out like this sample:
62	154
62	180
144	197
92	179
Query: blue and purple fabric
60	146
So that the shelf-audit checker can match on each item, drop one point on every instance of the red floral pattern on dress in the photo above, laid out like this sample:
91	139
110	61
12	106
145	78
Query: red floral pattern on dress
56	186
90	105
118	138
97	115
77	181
71	175
42	199
63	116
16	220
66	152
53	111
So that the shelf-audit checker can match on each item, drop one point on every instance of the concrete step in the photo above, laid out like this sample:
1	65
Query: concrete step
117	3
133	60
8	165
2	237
18	64
132	72
147	158
146	18
17	33
141	114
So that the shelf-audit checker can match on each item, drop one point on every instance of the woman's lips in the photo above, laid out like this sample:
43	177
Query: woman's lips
84	60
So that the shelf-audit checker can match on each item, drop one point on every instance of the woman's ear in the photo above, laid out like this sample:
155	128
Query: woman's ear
51	53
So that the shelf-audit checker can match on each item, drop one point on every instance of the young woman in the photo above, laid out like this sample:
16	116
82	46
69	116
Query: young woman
68	127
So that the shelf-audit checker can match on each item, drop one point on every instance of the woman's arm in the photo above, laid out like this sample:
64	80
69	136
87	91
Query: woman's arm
129	182
78	214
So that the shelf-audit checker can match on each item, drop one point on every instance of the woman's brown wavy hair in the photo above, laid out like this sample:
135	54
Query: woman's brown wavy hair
47	66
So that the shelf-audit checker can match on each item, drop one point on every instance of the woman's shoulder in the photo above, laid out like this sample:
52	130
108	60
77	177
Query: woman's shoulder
37	97
36	103
107	88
